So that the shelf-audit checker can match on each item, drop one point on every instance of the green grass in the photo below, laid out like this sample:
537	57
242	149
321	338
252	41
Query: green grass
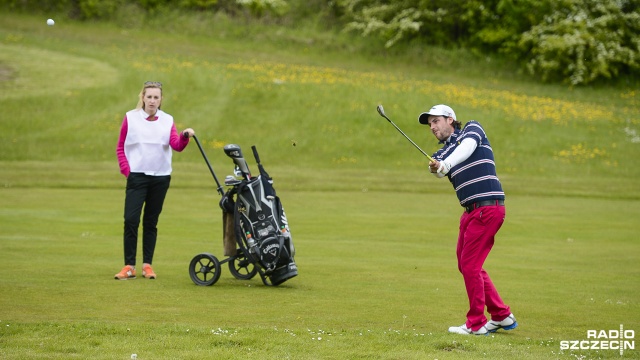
375	234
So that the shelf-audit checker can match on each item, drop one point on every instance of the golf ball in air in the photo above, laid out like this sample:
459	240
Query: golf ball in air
50	22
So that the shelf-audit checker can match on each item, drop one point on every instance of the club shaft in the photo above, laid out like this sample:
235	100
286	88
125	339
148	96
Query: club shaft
405	135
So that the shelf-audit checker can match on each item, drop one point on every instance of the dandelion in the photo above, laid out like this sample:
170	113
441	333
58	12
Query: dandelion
579	153
517	106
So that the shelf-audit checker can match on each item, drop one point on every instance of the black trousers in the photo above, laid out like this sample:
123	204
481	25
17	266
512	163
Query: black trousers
150	192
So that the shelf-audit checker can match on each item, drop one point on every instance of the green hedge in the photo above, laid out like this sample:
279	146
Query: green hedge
101	9
583	41
573	41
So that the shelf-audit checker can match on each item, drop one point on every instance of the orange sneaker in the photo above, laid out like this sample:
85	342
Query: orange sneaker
147	272
127	272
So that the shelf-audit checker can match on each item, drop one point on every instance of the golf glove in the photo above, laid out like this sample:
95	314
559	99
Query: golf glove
444	167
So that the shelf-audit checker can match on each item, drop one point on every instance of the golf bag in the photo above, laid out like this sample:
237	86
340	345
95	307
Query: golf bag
261	228
263	242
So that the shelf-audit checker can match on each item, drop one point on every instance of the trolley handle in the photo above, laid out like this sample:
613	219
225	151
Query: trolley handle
220	190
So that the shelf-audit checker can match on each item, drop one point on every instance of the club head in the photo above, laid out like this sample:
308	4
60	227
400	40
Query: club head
233	151
381	111
231	180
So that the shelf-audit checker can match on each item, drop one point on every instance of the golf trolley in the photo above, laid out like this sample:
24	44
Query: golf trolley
256	233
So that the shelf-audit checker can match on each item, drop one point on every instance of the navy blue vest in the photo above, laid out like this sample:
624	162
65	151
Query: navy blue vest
474	179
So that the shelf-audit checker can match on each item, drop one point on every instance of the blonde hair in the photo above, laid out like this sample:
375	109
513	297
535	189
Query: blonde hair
148	85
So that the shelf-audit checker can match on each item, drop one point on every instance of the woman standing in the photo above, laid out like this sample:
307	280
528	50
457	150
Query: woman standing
147	137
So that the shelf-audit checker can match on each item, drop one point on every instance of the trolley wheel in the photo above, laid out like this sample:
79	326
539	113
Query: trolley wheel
265	279
204	269
242	268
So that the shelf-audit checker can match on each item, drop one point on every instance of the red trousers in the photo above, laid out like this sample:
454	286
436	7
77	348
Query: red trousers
475	240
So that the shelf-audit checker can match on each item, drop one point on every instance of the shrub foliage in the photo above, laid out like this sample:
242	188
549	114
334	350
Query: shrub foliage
582	41
574	41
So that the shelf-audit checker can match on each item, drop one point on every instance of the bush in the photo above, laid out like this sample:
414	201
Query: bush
402	20
42	5
98	9
583	41
198	4
261	7
575	41
497	25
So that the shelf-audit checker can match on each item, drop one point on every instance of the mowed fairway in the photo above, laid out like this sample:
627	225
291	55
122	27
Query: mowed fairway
374	233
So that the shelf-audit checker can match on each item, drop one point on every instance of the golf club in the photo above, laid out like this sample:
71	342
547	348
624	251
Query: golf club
234	152
220	190
381	112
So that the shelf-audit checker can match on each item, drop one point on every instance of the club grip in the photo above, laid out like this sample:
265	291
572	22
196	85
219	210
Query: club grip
255	154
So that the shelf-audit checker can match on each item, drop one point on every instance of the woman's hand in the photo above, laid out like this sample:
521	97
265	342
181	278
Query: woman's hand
188	132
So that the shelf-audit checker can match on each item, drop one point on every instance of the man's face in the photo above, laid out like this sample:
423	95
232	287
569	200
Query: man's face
441	126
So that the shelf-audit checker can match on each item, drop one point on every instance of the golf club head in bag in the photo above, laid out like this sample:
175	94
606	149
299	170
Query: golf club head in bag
234	152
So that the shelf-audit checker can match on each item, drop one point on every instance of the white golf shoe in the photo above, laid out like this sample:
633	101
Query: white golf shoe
464	330
509	323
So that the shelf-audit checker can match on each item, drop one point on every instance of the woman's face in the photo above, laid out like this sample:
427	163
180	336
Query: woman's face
152	99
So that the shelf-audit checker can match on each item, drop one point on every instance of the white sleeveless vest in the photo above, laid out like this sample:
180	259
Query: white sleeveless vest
147	144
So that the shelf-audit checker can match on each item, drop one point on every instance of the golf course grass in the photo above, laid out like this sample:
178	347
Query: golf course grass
374	233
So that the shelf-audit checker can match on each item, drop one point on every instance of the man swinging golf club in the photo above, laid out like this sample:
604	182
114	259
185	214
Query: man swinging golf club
466	158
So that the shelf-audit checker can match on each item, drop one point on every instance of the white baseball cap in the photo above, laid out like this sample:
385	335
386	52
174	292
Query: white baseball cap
437	110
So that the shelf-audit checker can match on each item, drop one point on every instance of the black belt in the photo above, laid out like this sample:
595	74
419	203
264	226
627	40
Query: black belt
469	208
